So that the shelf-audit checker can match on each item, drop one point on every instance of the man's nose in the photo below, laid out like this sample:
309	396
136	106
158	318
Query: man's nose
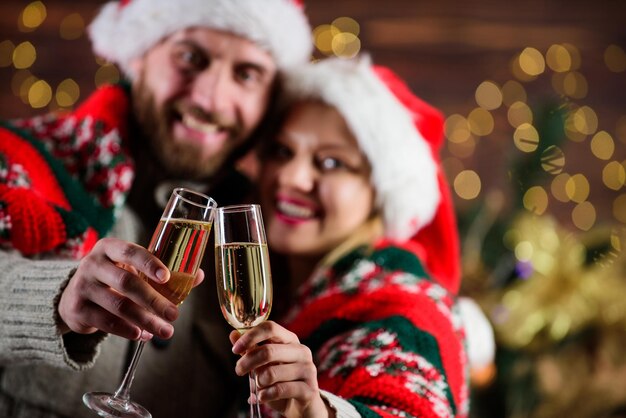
213	90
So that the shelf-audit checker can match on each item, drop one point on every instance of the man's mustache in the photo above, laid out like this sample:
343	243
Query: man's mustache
215	118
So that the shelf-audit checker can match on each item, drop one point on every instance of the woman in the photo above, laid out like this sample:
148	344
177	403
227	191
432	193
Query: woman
356	206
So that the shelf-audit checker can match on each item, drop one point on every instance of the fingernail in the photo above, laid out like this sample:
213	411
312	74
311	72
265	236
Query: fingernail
237	348
162	274
145	335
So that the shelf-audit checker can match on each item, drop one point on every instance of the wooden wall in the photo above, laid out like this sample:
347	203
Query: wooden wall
444	49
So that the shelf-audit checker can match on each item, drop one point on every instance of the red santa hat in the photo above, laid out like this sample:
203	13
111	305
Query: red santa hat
401	136
126	29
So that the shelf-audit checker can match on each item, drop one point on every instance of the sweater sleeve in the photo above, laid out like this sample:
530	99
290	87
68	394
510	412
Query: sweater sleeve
29	294
342	408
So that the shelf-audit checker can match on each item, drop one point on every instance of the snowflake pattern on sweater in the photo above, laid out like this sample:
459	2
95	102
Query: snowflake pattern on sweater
385	336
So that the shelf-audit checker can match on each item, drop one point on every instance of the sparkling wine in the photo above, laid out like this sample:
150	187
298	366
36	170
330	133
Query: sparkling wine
179	244
244	283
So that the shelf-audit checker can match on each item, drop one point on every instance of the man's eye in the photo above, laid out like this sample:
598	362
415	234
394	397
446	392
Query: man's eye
190	60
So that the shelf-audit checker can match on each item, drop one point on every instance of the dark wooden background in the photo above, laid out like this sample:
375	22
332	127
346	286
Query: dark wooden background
443	48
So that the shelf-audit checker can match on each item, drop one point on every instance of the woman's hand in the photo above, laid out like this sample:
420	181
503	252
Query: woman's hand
106	293
286	374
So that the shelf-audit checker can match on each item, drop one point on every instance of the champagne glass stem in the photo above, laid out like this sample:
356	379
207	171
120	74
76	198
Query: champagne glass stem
123	391
255	409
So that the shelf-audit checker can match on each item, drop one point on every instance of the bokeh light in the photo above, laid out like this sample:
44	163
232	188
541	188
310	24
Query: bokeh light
526	137
347	24
67	93
488	95
32	16
467	184
457	128
574	54
6	53
463	149
323	37
513	92
481	122
519	113
72	27
346	45
20	84
615	59
524	251
558	59
341	38
619	208
531	62
574	85
577	188
602	145
585	120
24	55
576	125
536	200
106	74
39	94
558	187
584	216
614	175
553	160
452	166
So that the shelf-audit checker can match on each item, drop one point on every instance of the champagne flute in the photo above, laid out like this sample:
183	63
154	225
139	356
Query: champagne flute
244	280
179	242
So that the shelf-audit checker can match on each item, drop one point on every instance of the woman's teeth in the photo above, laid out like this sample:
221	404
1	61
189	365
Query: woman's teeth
196	124
294	211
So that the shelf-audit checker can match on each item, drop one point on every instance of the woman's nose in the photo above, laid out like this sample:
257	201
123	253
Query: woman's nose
299	174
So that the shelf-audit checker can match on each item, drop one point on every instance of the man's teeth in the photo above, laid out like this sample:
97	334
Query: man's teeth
193	123
294	211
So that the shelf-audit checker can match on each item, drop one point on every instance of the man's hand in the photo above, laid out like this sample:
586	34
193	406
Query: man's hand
109	292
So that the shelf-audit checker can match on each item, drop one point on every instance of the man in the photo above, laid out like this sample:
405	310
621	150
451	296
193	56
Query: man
201	73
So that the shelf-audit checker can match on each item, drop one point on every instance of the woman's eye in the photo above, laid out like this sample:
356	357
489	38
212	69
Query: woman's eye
330	164
247	74
279	152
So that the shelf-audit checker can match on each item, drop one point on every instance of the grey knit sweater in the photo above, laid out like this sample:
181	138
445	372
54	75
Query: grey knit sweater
44	374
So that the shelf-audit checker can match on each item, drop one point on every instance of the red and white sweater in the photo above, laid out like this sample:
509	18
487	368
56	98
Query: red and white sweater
385	336
63	176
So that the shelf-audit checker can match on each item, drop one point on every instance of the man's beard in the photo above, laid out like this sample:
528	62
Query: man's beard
182	160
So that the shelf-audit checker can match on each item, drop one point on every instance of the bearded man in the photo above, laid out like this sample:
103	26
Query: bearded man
78	191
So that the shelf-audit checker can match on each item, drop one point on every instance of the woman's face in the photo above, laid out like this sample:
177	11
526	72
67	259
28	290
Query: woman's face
314	183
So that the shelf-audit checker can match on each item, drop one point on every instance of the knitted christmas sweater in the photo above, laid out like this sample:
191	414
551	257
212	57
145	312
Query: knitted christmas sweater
63	176
385	336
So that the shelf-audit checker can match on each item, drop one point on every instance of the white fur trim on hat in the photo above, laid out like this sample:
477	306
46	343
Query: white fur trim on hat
404	173
121	33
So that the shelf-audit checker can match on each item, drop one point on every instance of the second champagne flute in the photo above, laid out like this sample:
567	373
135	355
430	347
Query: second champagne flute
179	242
244	280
